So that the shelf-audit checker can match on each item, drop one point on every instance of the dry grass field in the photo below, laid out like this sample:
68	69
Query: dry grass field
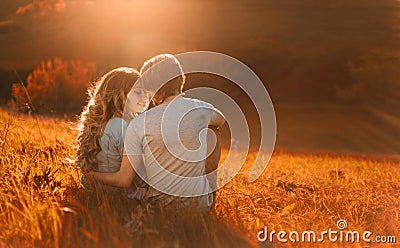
42	204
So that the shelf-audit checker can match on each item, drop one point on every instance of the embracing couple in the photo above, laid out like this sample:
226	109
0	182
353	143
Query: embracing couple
157	155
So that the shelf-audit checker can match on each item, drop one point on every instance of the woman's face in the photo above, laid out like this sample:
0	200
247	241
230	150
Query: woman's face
138	100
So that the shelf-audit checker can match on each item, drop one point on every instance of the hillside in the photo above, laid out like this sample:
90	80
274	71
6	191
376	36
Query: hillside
41	203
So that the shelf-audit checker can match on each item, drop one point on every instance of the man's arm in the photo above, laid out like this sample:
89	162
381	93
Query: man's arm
122	178
213	159
219	119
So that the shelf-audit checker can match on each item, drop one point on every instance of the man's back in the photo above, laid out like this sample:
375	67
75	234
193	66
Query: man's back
173	145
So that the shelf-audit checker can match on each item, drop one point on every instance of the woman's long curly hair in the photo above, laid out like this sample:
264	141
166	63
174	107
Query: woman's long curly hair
107	97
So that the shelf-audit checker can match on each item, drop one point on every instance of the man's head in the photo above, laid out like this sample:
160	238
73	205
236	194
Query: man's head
163	74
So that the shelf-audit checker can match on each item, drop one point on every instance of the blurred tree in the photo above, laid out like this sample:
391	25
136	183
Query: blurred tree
56	85
376	80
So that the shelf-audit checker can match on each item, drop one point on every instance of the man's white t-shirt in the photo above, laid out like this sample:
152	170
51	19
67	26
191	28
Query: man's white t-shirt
172	139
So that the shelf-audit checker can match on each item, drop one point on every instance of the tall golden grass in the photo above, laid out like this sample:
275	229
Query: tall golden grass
42	204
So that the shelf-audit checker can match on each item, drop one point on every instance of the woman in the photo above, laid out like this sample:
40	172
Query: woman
101	126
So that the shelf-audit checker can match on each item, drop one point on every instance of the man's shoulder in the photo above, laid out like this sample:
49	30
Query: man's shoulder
138	121
197	102
148	113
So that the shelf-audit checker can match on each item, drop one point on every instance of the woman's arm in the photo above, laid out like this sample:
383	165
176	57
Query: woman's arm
122	178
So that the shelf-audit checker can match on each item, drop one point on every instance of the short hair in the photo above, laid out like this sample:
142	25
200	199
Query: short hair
157	70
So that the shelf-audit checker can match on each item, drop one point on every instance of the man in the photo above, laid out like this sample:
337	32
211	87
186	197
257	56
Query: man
170	140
